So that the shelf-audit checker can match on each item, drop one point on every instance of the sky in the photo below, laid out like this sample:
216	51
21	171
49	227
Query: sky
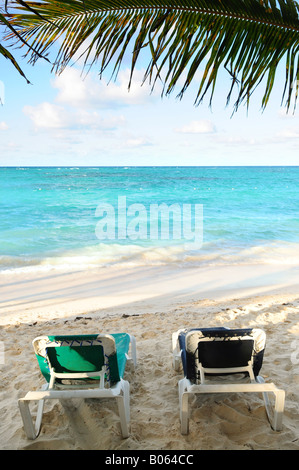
75	120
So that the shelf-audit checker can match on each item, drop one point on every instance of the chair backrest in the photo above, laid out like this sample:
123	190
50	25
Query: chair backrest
224	354
77	353
221	348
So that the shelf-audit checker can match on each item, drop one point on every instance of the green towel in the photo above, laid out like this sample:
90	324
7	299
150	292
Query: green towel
76	358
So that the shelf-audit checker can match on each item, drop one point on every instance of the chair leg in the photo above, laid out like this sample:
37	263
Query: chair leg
176	362
184	414
278	410
133	350
176	353
122	415
39	416
126	395
27	419
123	402
274	415
32	430
184	407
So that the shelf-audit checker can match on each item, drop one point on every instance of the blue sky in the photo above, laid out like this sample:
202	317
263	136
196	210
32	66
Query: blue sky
71	121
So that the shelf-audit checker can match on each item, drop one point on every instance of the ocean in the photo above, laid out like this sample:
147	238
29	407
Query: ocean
89	217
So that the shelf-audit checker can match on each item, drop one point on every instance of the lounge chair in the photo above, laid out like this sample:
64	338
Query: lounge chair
207	353
81	366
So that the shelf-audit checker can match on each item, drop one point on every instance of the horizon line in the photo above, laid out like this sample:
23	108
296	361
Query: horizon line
149	166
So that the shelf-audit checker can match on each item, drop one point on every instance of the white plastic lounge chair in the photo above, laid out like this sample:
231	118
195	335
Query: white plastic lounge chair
94	364
216	351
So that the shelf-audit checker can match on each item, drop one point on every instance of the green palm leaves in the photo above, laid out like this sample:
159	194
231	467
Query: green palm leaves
177	38
5	52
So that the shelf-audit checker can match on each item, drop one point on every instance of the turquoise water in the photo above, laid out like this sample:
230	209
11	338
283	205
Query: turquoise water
48	216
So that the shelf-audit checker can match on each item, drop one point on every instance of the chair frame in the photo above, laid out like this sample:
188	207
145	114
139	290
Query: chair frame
257	384
99	389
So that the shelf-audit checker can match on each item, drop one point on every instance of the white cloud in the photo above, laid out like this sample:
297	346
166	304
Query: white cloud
289	133
71	88
137	142
236	140
92	92
84	104
47	115
93	120
3	126
50	116
284	114
198	127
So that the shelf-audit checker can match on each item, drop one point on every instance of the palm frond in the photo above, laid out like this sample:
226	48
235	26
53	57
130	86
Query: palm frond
6	53
247	38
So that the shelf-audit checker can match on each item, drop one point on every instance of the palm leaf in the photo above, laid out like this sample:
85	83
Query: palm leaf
5	52
247	38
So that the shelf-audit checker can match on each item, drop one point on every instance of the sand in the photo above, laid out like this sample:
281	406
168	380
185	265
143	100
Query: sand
150	303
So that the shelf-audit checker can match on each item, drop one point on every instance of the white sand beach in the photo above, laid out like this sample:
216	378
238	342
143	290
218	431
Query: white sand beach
151	303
